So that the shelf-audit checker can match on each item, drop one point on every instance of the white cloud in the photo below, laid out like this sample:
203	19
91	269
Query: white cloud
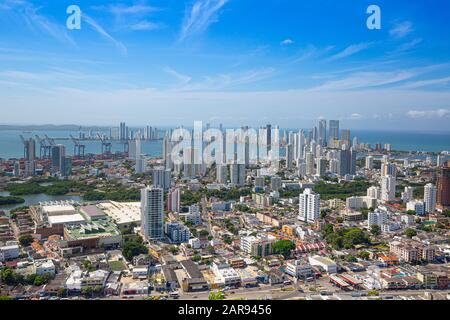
134	9
408	45
200	16
427	83
401	30
145	25
103	33
180	77
429	114
366	79
287	42
350	50
356	116
225	81
25	13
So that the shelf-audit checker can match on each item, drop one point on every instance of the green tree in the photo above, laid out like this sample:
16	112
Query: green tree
26	240
284	247
375	230
87	291
410	233
364	255
219	295
61	292
133	248
373	293
174	250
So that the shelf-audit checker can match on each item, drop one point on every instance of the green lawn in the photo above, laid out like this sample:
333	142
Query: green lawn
117	265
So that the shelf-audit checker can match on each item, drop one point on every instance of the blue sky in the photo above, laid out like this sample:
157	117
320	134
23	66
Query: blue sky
226	61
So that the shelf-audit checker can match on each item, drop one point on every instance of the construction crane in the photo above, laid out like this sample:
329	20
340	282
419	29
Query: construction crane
79	148
50	141
106	145
45	150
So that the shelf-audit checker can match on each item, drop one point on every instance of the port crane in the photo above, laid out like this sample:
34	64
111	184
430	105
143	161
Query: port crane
106	145
78	148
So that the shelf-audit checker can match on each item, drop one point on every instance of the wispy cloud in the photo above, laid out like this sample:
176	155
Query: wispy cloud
407	46
145	25
25	13
179	76
366	80
225	81
429	114
200	16
141	8
401	29
427	83
351	50
120	46
134	17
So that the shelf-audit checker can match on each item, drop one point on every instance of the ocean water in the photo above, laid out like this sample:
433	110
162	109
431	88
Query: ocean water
11	145
407	141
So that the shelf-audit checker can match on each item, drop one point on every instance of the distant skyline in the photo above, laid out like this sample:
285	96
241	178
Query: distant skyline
171	62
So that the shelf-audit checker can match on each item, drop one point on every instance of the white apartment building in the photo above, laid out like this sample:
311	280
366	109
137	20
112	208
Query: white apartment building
152	213
388	185
417	206
378	218
309	206
374	192
429	198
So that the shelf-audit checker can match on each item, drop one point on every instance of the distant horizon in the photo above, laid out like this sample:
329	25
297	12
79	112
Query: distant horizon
213	125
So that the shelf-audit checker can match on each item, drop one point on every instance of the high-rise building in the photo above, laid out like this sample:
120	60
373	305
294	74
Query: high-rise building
58	158
222	173
134	150
237	173
309	164
289	156
309	206
167	152
443	187
407	195
275	183
347	162
369	162
334	166
30	156
152	213
374	192
141	165
123	132
333	131
260	182
321	166
162	178
174	200
345	137
269	137
323	133
388	185
388	169
429	198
